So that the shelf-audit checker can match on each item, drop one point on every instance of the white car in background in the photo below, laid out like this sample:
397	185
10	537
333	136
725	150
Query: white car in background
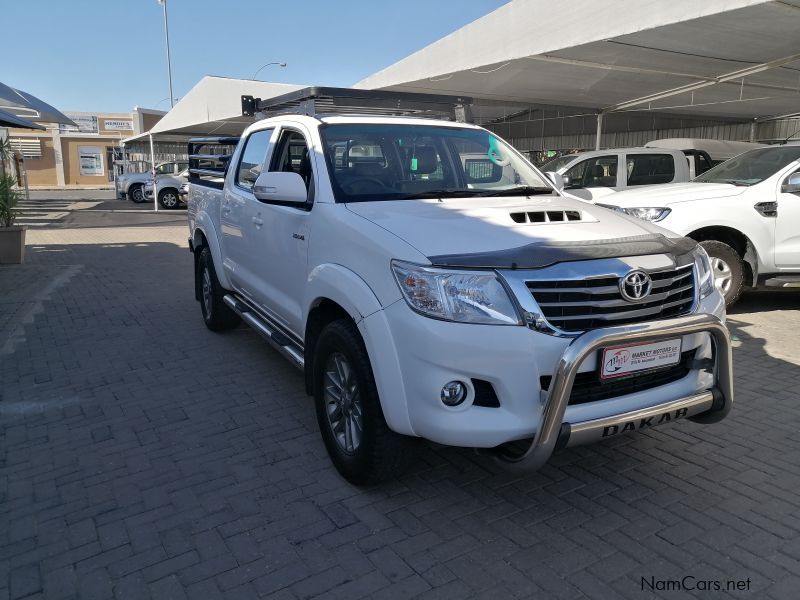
169	190
744	212
131	185
592	175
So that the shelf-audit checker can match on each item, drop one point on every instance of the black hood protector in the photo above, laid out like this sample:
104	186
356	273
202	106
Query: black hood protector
543	254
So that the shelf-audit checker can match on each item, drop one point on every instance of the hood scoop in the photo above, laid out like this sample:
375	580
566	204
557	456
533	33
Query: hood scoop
547	216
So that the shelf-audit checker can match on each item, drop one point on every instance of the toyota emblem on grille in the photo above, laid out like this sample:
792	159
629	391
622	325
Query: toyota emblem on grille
635	286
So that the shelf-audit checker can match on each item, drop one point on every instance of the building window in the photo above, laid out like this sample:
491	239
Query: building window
28	147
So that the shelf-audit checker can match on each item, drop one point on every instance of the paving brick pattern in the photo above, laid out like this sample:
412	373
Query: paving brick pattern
146	457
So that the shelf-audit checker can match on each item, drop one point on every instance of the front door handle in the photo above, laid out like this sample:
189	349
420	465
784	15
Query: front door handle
257	222
767	209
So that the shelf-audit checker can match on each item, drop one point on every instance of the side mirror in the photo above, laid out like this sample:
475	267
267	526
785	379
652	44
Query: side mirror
559	181
792	184
280	187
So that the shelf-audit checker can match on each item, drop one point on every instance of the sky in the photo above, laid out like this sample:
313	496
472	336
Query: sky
109	55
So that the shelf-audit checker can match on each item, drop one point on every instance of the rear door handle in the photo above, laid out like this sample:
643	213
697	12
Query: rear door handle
257	222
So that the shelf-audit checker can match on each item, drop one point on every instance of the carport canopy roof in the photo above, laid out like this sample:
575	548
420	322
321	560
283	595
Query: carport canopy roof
214	107
718	58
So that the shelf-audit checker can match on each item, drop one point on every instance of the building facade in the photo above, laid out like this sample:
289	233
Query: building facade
82	156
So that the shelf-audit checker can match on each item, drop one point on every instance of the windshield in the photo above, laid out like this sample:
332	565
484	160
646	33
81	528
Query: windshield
751	167
557	164
404	162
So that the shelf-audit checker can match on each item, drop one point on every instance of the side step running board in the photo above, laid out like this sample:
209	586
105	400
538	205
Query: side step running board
783	281
268	329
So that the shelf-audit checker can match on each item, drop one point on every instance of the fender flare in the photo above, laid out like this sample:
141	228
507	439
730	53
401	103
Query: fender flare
343	286
204	225
750	255
130	184
347	289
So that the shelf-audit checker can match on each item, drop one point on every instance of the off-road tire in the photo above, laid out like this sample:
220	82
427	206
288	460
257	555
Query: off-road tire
217	315
382	454
723	252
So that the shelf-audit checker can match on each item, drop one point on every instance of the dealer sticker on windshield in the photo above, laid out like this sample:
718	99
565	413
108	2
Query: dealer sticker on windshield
631	358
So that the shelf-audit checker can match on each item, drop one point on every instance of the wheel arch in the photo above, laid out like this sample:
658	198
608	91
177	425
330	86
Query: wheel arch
332	292
735	239
205	234
323	311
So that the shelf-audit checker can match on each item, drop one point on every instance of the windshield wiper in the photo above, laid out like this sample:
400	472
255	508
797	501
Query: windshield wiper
445	193
739	182
522	190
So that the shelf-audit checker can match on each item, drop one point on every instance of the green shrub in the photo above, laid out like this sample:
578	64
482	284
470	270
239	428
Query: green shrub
9	197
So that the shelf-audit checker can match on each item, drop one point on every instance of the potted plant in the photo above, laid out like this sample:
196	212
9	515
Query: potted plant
12	237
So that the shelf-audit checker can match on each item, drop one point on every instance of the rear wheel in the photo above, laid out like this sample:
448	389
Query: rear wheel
168	198
728	269
217	315
361	445
136	193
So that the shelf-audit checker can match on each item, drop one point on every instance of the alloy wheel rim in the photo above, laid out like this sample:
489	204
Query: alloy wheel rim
723	277
343	405
137	194
169	200
207	291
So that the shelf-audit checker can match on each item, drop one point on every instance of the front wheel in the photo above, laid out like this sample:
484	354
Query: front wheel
358	440
136	193
728	268
168	198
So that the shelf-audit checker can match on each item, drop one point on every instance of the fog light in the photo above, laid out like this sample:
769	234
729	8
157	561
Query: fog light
454	393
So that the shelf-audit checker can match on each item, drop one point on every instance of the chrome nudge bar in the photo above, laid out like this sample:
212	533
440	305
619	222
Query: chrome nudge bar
705	407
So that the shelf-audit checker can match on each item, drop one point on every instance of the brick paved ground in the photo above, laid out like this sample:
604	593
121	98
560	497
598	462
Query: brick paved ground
146	457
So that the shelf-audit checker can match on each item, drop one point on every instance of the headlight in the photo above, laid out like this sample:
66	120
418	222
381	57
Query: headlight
705	274
647	213
463	296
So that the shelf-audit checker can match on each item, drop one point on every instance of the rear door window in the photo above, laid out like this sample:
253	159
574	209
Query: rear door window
650	169
600	171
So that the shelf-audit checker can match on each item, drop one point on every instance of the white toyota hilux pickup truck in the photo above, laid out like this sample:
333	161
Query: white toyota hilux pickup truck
744	212
431	283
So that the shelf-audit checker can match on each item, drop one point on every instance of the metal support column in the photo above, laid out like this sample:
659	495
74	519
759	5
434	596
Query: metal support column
599	131
153	163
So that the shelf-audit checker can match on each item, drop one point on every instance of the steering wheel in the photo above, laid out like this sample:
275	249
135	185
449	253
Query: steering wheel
351	187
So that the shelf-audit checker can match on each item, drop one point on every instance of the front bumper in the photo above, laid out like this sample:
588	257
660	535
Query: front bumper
418	356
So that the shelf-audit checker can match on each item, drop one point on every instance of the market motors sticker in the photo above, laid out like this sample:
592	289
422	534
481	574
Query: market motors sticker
631	358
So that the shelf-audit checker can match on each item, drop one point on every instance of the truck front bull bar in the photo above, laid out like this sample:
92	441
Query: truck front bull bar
704	407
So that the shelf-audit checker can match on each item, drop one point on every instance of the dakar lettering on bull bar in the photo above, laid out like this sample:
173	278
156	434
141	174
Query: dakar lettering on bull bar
666	417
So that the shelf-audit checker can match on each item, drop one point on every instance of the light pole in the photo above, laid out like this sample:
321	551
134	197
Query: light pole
163	3
280	64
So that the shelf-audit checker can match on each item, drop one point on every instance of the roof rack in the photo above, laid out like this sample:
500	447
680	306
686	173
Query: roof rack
209	158
320	101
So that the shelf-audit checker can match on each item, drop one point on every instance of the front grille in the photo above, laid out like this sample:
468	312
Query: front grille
583	304
588	387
